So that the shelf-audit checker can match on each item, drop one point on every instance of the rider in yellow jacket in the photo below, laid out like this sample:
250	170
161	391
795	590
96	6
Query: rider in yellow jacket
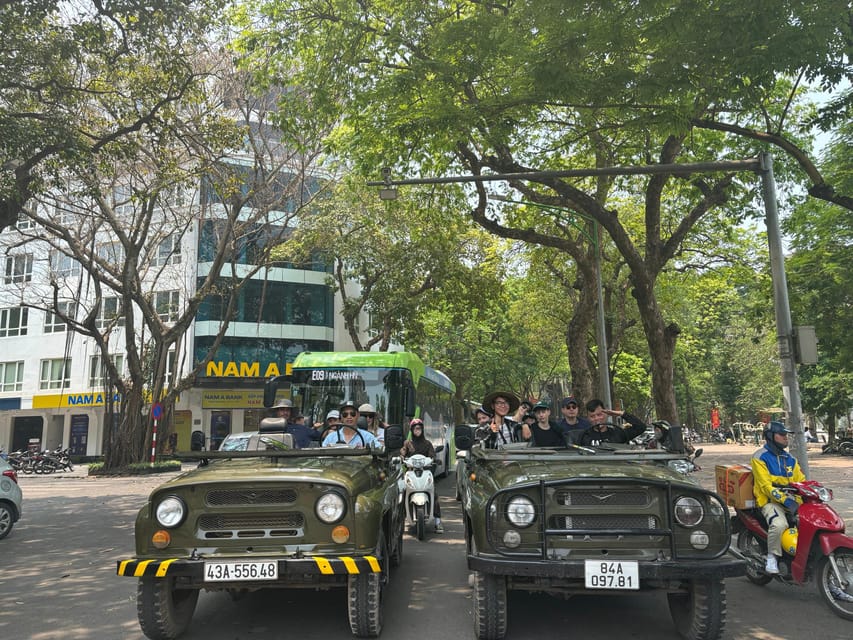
773	467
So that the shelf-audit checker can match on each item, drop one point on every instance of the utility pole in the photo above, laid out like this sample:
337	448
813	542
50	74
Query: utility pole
784	326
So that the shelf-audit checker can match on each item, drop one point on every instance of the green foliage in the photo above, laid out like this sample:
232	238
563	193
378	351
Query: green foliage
136	468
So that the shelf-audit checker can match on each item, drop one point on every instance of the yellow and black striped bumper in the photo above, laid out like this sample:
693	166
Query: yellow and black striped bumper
319	566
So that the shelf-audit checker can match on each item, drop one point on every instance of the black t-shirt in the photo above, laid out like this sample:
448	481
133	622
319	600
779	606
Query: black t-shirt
613	434
552	437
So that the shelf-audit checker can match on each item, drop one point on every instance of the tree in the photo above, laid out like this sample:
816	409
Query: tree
211	171
821	280
507	88
56	63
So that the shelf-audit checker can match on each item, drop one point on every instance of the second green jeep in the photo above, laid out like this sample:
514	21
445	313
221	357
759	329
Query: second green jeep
612	519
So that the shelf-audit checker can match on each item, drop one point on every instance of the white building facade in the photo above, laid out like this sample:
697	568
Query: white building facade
51	379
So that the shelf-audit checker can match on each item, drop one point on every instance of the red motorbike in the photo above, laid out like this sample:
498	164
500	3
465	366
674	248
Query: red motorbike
814	546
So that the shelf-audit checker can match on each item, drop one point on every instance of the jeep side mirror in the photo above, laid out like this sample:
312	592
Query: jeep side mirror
393	438
270	389
676	441
463	436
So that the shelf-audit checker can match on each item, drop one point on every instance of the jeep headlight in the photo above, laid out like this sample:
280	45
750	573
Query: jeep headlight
688	511
170	512
520	511
330	507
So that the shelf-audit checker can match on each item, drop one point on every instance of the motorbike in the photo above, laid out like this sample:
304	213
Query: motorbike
420	492
815	547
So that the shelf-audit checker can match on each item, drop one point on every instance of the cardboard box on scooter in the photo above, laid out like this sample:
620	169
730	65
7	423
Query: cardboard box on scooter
734	484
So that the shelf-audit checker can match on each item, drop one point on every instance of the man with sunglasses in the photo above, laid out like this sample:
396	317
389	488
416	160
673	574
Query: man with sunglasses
348	432
571	420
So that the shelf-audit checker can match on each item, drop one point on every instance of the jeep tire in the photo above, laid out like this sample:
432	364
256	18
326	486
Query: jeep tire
490	615
700	612
164	612
364	596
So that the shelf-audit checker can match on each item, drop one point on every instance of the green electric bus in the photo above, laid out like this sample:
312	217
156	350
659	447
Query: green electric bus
398	385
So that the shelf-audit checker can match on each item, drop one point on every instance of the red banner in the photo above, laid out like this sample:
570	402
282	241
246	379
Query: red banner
715	418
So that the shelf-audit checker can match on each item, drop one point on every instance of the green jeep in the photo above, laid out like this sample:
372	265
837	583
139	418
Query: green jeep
592	520
276	517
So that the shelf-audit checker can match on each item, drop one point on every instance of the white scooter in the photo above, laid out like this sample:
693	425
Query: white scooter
420	492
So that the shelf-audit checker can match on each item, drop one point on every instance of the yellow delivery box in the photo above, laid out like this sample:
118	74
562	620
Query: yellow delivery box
734	484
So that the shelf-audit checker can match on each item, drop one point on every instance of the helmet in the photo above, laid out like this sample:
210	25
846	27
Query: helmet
789	540
417	422
283	404
366	409
772	429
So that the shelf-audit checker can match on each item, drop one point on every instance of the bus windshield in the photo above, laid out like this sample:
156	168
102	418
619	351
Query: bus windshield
317	391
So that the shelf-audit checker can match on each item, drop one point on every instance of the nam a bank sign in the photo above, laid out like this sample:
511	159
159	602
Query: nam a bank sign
64	400
234	369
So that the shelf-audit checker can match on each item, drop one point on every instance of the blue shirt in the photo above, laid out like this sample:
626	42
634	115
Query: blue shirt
337	437
303	436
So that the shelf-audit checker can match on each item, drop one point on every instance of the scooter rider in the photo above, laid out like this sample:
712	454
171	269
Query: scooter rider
419	444
772	467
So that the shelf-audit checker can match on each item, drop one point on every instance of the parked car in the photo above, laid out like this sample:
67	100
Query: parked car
608	519
266	515
11	498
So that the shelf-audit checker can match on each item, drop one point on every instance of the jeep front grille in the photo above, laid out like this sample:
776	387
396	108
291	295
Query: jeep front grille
247	496
578	497
247	525
604	521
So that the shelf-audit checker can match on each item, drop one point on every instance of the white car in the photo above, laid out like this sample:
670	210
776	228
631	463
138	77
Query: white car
10	498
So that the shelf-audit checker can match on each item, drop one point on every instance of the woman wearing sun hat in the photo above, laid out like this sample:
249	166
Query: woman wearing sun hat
504	429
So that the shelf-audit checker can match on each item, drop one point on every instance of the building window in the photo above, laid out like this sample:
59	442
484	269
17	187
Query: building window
166	304
13	322
98	370
25	222
110	313
171	363
111	253
53	322
11	376
19	268
168	251
55	374
63	266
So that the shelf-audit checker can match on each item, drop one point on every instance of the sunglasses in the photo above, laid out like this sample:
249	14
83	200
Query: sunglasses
571	406
348	414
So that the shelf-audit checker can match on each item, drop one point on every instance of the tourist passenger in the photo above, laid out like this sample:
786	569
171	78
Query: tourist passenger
524	408
347	431
501	403
331	421
373	421
600	432
571	419
543	433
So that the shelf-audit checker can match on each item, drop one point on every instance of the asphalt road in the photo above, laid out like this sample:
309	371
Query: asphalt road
57	580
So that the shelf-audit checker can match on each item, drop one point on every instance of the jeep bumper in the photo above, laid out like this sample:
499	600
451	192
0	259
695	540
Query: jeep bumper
290	567
724	567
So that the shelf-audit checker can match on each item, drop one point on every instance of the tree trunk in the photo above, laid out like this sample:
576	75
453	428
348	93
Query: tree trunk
661	340
578	339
